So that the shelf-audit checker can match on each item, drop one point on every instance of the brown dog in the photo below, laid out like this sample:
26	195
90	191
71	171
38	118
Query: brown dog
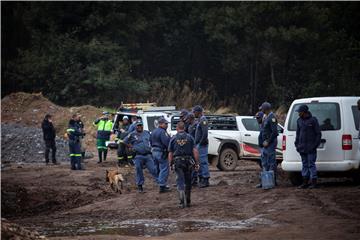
114	177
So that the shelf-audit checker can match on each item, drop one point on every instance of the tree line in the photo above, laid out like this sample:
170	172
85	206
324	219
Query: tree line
218	54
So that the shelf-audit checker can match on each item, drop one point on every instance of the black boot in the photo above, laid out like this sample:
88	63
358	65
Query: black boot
188	197
105	154
100	156
305	183
194	181
204	183
140	189
164	189
313	183
182	203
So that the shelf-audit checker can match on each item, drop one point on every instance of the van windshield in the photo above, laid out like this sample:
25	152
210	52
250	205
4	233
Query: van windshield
328	115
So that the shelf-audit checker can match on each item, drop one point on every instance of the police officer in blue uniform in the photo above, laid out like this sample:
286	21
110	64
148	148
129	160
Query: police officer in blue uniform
269	139
74	133
159	142
139	141
259	118
308	136
191	129
183	116
184	157
202	144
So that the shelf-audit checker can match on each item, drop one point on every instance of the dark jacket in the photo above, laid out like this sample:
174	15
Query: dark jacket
201	132
269	130
308	134
74	131
48	130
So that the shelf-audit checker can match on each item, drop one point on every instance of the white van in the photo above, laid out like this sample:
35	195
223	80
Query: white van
338	151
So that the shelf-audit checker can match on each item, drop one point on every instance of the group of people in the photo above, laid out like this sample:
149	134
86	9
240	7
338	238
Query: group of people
308	136
185	153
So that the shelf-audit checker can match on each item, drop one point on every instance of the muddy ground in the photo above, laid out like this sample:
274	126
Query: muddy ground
62	204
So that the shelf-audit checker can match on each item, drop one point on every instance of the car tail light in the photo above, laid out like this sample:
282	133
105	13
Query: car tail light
346	142
284	143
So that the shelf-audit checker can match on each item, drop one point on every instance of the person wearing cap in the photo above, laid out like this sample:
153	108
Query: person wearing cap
183	116
74	133
122	152
49	135
139	141
133	124
184	157
159	142
104	128
269	139
259	118
308	136
202	143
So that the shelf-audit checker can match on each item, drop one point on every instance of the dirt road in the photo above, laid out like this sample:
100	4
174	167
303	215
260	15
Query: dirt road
64	204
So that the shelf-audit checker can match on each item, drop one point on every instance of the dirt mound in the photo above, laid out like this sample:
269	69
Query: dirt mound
29	110
13	231
25	144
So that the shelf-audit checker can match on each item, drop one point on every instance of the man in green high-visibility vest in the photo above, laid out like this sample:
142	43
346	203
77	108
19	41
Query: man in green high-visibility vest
104	130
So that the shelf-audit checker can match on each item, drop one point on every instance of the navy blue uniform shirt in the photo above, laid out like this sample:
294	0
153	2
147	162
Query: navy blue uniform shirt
182	144
140	142
308	134
201	133
160	138
270	131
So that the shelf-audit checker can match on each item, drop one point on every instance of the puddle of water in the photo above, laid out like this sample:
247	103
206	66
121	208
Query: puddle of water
151	227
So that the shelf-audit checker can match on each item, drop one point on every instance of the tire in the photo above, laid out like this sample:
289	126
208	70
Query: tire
295	178
227	160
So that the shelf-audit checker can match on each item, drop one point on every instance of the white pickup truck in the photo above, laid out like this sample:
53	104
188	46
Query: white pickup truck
230	137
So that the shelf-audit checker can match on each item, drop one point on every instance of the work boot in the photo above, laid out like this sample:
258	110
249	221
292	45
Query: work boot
305	184
194	181
140	189
313	183
182	203
164	189
204	183
188	197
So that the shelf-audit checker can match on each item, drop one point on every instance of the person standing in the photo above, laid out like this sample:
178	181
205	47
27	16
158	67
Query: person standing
308	136
191	129
269	140
74	134
139	141
82	140
202	144
49	135
184	156
159	142
104	129
122	153
259	118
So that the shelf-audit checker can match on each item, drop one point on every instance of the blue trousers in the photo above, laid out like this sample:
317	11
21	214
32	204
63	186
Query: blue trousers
161	165
268	157
308	165
139	161
204	163
75	154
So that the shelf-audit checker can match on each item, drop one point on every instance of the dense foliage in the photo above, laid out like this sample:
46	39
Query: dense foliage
220	54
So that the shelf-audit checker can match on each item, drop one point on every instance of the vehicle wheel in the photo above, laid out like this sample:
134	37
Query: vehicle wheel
295	178
227	160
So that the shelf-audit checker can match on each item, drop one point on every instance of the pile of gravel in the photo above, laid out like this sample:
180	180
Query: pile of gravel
25	144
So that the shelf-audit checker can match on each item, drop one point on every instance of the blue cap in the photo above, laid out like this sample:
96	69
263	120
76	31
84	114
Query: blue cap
302	108
139	122
265	106
162	120
259	115
197	108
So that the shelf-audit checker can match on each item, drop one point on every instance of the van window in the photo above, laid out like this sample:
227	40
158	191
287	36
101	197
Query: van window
216	122
152	122
251	124
328	115
356	115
